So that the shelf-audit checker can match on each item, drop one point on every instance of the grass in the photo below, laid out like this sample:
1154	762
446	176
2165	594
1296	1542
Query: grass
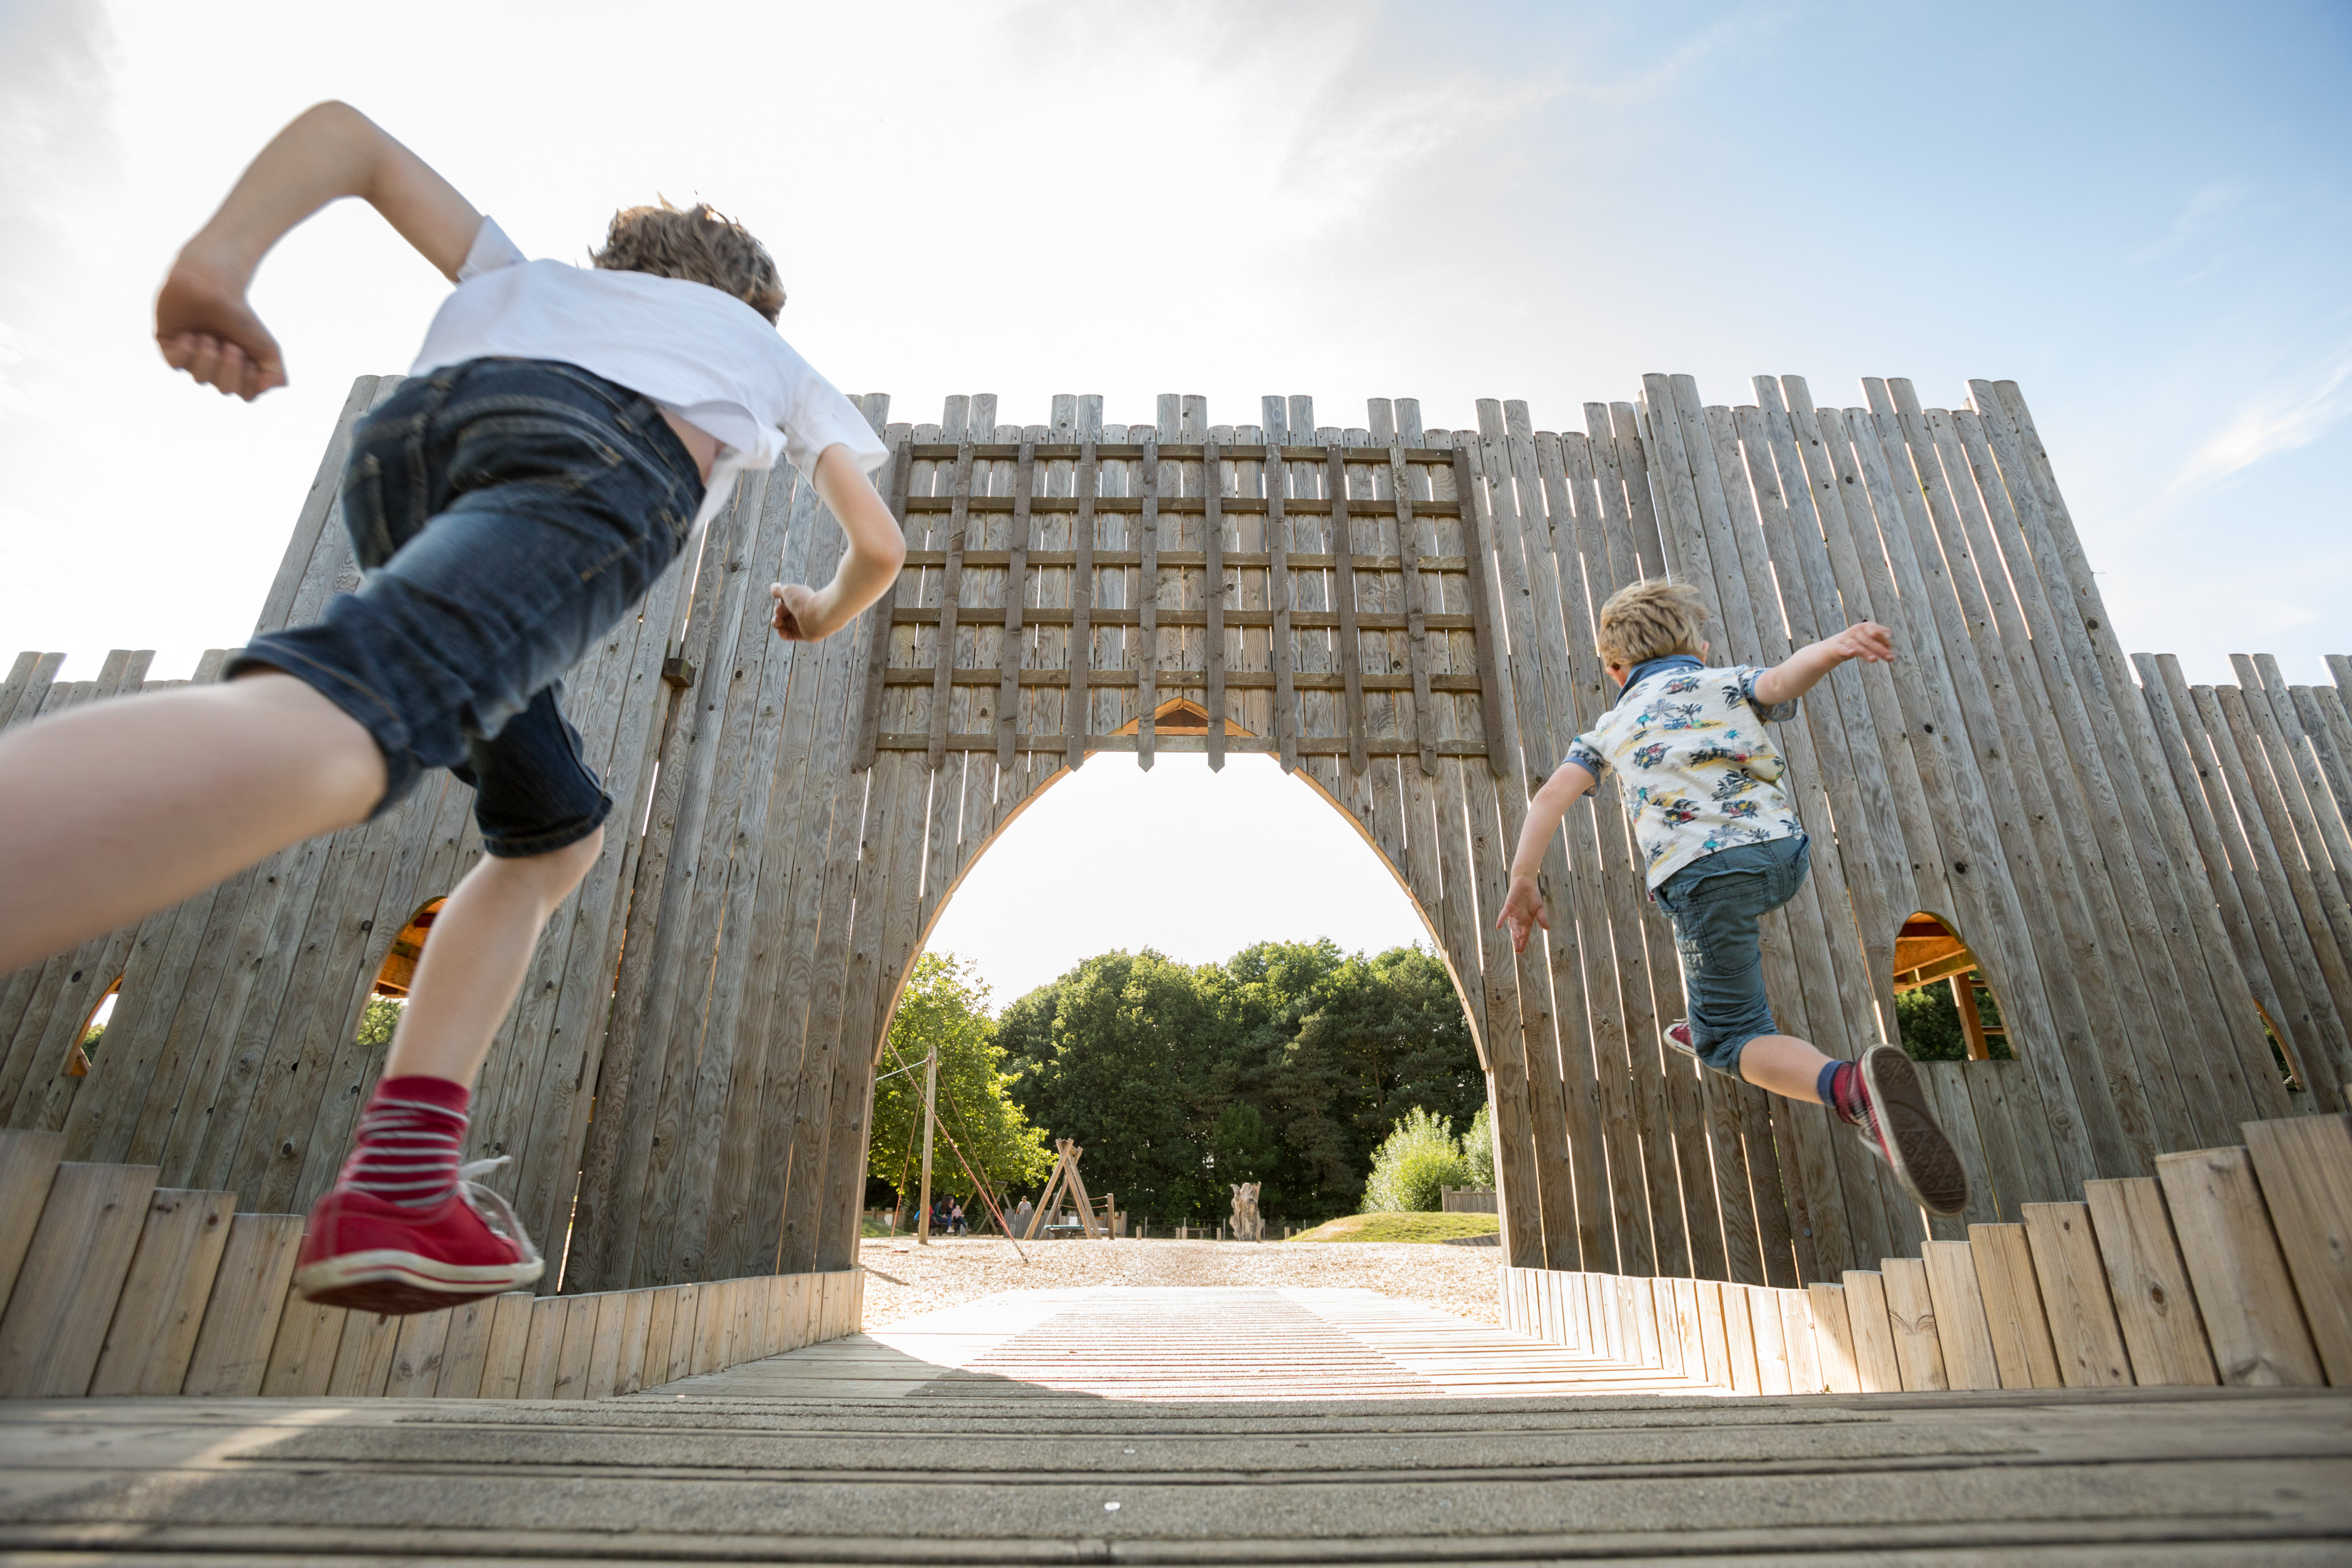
1403	1227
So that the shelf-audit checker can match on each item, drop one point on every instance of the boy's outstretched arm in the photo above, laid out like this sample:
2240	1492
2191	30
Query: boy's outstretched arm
1801	671
1523	908
876	550
330	150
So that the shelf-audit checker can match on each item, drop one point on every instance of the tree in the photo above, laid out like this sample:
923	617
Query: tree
1478	1147
1286	1064
944	1009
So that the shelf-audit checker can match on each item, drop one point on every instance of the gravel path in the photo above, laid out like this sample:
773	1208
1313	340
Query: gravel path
903	1279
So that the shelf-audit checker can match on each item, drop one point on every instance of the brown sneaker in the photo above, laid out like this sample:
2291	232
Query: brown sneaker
1900	1130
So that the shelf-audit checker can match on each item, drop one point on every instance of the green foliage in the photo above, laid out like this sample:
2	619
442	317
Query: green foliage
944	1008
1478	1147
1413	1166
378	1020
1286	1064
1929	1020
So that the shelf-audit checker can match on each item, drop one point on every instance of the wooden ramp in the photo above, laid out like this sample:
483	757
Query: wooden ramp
1189	1344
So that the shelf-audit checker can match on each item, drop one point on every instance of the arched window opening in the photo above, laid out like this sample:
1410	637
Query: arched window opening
93	1030
2279	1057
1945	1010
389	994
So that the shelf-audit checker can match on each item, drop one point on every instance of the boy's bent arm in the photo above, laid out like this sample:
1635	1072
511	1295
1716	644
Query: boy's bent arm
1803	669
876	550
1523	906
329	152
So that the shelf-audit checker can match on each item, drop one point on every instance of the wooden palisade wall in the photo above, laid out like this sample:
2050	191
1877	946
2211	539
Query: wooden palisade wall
2146	871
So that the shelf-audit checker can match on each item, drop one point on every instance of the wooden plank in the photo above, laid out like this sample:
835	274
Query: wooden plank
661	1325
1960	1328
579	1347
604	1354
2155	1306
1016	581
1212	598
1871	1334
877	627
2305	1164
28	1165
1352	645
364	1355
57	1317
503	1357
543	1347
1147	607
418	1354
1739	1338
637	1330
302	1357
1802	1350
161	1307
1833	1337
2243	1290
1078	711
231	1354
1479	582
681	1334
950	605
2021	1344
1911	1316
466	1348
2084	1334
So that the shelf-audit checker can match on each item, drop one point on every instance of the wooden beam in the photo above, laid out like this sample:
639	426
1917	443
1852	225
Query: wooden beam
1147	654
877	627
1016	575
1212	598
1481	614
951	590
1416	625
1278	588
1351	647
1078	707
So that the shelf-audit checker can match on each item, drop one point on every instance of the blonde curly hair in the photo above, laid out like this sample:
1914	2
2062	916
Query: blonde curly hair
699	244
1651	620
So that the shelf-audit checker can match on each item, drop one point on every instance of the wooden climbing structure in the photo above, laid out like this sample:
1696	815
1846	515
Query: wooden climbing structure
2152	877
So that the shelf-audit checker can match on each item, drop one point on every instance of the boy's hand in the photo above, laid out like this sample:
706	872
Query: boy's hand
204	327
803	614
1865	640
1523	910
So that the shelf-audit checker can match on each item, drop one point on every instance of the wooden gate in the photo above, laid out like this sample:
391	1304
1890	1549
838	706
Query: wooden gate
1402	618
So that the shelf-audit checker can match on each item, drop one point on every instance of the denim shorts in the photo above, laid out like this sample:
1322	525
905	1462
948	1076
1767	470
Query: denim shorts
1716	902
508	513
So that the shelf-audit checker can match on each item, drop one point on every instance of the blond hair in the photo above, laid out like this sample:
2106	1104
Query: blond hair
699	244
1650	620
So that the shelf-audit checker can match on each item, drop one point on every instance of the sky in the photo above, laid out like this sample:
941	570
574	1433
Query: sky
2139	212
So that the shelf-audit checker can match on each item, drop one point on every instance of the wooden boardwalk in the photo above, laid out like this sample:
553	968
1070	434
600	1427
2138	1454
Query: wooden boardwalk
1186	1426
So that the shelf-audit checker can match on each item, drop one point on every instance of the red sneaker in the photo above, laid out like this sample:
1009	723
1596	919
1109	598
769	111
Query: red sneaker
1900	1130
370	1256
1678	1036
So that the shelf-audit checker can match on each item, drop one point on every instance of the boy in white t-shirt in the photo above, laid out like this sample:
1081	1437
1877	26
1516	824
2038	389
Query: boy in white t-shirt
1722	847
559	441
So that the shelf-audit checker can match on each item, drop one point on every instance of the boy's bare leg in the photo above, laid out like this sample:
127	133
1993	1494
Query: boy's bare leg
473	965
1783	1064
116	810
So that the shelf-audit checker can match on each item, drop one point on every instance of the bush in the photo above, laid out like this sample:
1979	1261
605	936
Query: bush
1478	1148
1418	1160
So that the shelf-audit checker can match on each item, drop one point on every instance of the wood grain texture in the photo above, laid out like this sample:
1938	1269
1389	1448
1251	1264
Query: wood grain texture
161	1308
2086	1338
2253	1317
2305	1169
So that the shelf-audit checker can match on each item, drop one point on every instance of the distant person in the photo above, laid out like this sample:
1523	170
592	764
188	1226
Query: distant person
562	437
955	1218
1701	780
1020	1219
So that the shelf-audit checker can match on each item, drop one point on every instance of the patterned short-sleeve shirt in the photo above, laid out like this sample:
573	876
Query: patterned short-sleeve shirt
1697	769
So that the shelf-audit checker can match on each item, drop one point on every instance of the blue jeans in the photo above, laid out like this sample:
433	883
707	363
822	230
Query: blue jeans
508	514
1716	902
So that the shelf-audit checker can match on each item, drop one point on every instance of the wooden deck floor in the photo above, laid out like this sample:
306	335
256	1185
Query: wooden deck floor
1204	1426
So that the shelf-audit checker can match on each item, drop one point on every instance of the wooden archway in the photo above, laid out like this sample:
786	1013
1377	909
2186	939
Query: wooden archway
1403	617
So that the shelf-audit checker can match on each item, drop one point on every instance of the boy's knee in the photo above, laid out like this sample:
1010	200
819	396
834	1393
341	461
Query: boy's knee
560	871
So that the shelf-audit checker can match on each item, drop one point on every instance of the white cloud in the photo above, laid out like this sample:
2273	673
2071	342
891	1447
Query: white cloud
2274	423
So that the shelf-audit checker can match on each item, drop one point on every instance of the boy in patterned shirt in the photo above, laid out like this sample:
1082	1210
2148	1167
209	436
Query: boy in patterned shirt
1722	847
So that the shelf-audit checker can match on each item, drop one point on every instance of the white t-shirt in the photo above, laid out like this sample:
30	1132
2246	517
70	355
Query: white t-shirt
697	353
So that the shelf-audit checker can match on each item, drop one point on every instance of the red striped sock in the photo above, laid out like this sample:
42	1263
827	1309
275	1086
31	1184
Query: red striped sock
409	1137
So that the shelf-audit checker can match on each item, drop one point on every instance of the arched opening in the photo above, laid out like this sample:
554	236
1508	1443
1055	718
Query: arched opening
389	993
93	1029
1221	944
1945	1008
